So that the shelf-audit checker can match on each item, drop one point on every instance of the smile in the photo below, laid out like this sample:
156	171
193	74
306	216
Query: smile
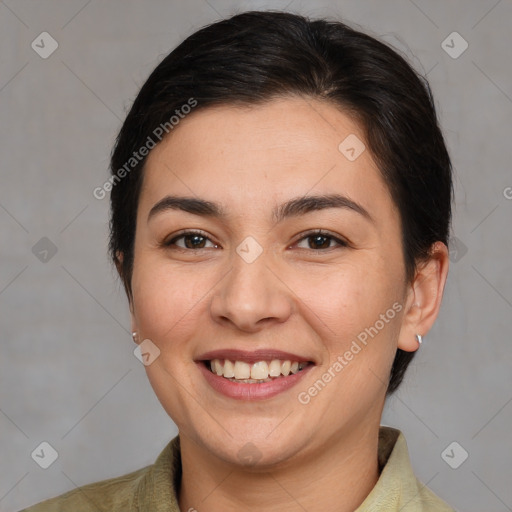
256	373
256	381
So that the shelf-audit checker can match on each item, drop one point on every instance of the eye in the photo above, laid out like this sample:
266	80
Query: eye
319	239
191	240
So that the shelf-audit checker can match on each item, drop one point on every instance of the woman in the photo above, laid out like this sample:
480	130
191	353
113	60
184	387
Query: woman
280	208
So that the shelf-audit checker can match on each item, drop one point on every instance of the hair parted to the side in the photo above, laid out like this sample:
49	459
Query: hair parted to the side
257	56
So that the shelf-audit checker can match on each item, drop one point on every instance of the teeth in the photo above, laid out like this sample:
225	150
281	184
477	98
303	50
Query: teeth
242	370
229	369
262	371
217	367
259	370
274	368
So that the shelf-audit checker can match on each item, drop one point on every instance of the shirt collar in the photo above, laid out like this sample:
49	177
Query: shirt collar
396	489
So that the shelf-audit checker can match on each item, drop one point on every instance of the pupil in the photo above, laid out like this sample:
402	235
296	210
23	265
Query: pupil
195	238
318	238
196	241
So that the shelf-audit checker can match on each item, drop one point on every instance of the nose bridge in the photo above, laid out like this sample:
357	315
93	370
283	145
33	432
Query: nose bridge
251	295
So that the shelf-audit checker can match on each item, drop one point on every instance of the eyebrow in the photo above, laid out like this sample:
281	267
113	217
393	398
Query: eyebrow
292	208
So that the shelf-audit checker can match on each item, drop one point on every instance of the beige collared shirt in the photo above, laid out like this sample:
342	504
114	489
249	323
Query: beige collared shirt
155	487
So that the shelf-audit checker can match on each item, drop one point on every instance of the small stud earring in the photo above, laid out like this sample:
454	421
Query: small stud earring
134	336
419	338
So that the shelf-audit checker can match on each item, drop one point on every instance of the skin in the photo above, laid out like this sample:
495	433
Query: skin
298	296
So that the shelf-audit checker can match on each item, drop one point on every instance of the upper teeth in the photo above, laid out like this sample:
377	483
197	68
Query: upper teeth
258	371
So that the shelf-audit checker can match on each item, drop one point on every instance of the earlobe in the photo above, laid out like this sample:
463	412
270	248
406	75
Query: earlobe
119	262
119	266
135	328
424	298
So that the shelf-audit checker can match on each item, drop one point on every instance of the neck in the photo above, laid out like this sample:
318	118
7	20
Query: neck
337	477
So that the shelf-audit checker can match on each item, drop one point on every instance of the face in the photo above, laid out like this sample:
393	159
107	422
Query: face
265	272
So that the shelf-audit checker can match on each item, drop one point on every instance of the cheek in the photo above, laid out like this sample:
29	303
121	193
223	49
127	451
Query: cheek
166	301
345	299
355	310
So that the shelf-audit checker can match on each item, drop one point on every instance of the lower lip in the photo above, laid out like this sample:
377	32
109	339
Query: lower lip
254	391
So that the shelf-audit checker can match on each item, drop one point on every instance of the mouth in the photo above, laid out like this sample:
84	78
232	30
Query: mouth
255	375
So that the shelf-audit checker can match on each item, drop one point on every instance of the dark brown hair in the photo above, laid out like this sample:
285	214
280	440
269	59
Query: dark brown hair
254	57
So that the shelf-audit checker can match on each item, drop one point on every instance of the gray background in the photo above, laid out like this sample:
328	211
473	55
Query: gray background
68	373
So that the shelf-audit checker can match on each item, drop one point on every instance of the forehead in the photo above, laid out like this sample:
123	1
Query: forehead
257	155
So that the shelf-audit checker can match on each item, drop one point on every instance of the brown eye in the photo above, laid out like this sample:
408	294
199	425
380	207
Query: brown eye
191	240
321	240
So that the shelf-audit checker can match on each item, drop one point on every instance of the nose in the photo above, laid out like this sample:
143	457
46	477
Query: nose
251	296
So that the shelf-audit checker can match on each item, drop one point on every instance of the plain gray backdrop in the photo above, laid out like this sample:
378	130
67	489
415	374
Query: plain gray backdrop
68	373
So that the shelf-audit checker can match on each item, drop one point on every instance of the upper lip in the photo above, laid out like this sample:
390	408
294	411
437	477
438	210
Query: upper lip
252	356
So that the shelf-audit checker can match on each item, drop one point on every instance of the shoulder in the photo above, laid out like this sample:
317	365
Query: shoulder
110	495
416	496
398	489
148	488
428	501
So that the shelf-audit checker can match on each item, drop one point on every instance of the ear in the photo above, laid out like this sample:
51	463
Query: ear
119	266
118	260
424	297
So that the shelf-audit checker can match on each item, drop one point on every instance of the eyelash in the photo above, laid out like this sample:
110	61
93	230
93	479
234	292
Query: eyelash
303	236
